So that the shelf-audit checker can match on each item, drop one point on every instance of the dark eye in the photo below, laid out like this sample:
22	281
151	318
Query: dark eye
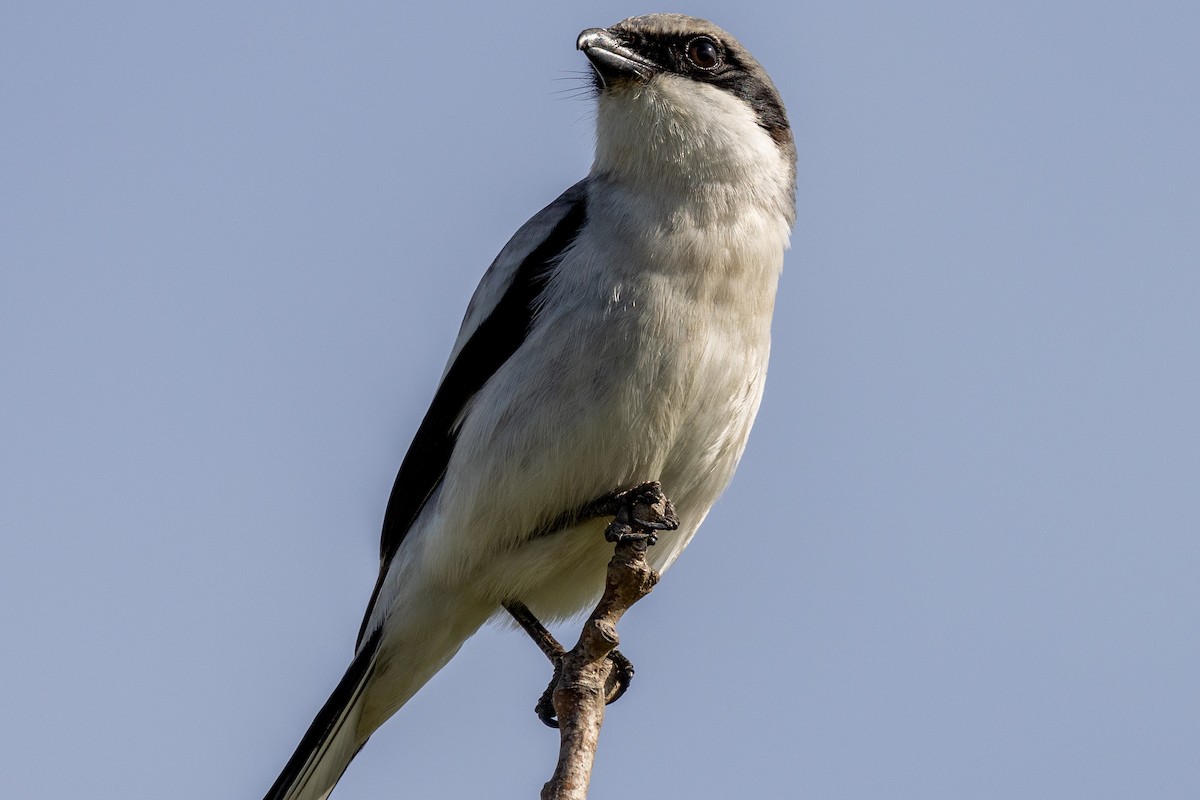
703	53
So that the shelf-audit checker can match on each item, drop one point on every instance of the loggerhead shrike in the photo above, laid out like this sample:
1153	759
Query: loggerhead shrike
620	337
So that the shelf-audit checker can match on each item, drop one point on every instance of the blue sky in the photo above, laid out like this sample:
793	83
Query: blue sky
235	245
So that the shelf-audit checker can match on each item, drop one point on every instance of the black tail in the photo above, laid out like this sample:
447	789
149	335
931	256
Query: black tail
333	737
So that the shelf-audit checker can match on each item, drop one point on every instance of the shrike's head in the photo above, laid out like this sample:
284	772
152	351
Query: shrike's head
682	101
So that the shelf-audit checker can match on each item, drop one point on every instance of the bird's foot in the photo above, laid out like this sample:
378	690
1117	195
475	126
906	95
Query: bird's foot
618	683
639	513
545	704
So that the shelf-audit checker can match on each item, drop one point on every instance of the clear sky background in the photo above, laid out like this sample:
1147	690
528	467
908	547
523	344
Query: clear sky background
960	559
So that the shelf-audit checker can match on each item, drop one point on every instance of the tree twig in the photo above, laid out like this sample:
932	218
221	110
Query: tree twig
587	672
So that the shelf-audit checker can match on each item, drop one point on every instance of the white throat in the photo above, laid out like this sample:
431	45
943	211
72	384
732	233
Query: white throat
678	136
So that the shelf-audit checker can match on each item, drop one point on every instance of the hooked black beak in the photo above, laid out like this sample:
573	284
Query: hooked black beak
611	59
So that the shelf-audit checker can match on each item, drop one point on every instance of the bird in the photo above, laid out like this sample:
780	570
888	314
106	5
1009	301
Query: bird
620	337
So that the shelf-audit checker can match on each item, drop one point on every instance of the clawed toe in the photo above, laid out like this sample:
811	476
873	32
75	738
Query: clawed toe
618	683
545	704
639	513
622	676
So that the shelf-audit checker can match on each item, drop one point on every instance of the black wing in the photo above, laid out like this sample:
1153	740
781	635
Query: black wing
493	341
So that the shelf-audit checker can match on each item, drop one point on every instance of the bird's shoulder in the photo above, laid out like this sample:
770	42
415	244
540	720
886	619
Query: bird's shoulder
537	233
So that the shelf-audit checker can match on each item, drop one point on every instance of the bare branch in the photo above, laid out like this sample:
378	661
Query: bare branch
587	678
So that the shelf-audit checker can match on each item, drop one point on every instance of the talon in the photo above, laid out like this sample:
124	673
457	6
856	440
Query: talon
622	676
638	513
545	704
618	532
647	507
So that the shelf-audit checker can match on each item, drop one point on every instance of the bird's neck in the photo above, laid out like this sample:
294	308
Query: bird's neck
696	142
